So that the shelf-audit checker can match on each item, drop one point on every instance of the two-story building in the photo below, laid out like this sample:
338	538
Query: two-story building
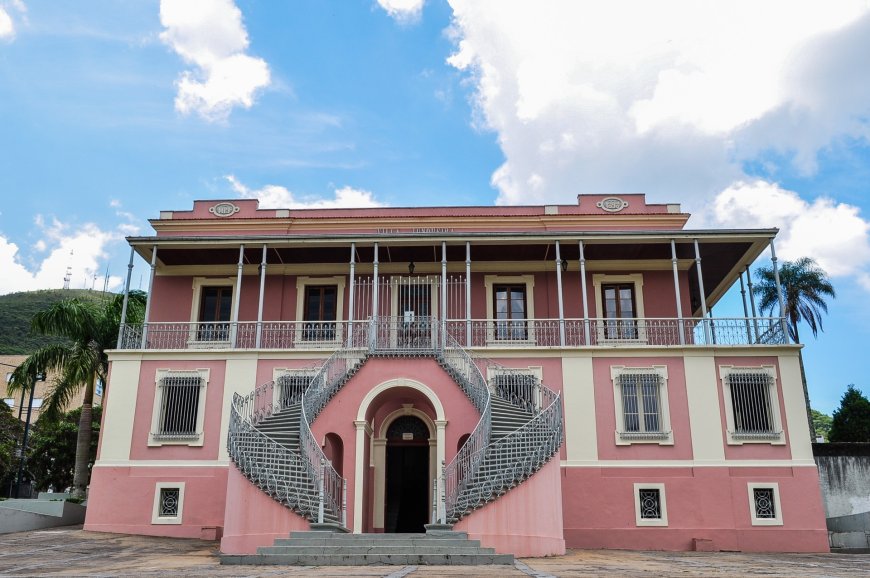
541	377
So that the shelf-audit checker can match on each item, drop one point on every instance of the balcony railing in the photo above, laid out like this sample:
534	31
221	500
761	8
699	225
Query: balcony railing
423	333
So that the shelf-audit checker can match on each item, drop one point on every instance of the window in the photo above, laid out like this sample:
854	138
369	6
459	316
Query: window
319	307
320	312
649	505
641	404
519	387
8	376
619	306
509	305
291	384
764	506
10	401
37	402
215	312
179	407
168	503
751	404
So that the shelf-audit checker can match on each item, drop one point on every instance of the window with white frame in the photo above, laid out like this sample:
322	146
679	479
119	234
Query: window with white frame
319	306
10	401
212	310
650	508
179	407
764	504
641	396
168	503
619	307
751	404
519	386
510	306
290	385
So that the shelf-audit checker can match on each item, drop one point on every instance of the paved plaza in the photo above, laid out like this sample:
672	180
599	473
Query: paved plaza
74	552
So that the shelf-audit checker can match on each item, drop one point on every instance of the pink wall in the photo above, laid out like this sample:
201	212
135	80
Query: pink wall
121	500
339	414
605	411
146	397
709	503
171	299
526	521
254	519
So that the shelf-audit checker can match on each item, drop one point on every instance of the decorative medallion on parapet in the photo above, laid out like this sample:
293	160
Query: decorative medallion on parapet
224	210
612	204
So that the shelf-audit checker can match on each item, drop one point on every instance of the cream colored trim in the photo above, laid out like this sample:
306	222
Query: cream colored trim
795	408
380	461
120	411
687	464
662	371
724	372
158	404
361	427
663	506
603	279
156	518
581	434
702	393
400	382
756	521
161	464
240	376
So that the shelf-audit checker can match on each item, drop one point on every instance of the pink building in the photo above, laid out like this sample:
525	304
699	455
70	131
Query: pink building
541	377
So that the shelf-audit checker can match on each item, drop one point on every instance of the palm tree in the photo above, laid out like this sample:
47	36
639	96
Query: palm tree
805	288
90	329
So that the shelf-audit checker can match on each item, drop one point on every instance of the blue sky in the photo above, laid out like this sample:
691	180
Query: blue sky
748	114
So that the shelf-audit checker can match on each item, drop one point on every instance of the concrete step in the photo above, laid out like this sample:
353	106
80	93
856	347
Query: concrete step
376	543
369	550
370	560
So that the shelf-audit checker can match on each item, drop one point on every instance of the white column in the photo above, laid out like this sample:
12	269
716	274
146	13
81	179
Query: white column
375	291
440	451
359	475
468	293
773	259
237	294
752	301
681	327
350	296
583	296
559	293
260	302
708	330
126	299
443	294
150	294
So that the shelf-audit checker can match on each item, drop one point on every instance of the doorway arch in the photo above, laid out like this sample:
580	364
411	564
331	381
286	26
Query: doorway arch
408	471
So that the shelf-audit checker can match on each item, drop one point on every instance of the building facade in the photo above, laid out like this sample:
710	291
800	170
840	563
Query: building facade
541	377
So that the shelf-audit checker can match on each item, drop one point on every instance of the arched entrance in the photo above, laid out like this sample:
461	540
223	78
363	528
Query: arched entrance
407	475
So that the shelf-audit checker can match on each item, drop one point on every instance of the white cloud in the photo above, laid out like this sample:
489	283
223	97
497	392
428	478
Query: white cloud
210	35
7	24
834	234
665	98
83	248
403	11
278	197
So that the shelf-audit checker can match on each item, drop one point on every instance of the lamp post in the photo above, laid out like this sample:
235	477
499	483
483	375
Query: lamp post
39	376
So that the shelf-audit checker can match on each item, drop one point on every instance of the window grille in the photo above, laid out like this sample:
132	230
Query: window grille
169	502
291	385
752	405
650	502
641	405
765	503
179	406
518	388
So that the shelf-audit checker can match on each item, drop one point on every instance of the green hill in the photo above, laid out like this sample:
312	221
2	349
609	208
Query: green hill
16	309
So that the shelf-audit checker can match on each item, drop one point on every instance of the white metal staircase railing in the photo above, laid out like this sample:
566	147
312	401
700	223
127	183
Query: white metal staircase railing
486	466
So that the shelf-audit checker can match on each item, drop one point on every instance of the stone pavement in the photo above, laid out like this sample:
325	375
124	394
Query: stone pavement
73	552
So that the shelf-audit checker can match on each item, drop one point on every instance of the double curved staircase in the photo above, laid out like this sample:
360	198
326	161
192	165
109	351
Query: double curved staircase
271	443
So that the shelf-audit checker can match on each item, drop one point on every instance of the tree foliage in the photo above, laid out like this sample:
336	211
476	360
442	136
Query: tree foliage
90	329
11	429
17	309
805	288
52	449
821	424
851	421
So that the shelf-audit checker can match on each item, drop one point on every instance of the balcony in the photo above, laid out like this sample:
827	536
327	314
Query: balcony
423	334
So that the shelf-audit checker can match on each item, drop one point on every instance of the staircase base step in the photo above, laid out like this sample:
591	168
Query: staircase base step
370	560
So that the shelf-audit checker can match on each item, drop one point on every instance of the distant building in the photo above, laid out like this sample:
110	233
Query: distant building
8	363
541	377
